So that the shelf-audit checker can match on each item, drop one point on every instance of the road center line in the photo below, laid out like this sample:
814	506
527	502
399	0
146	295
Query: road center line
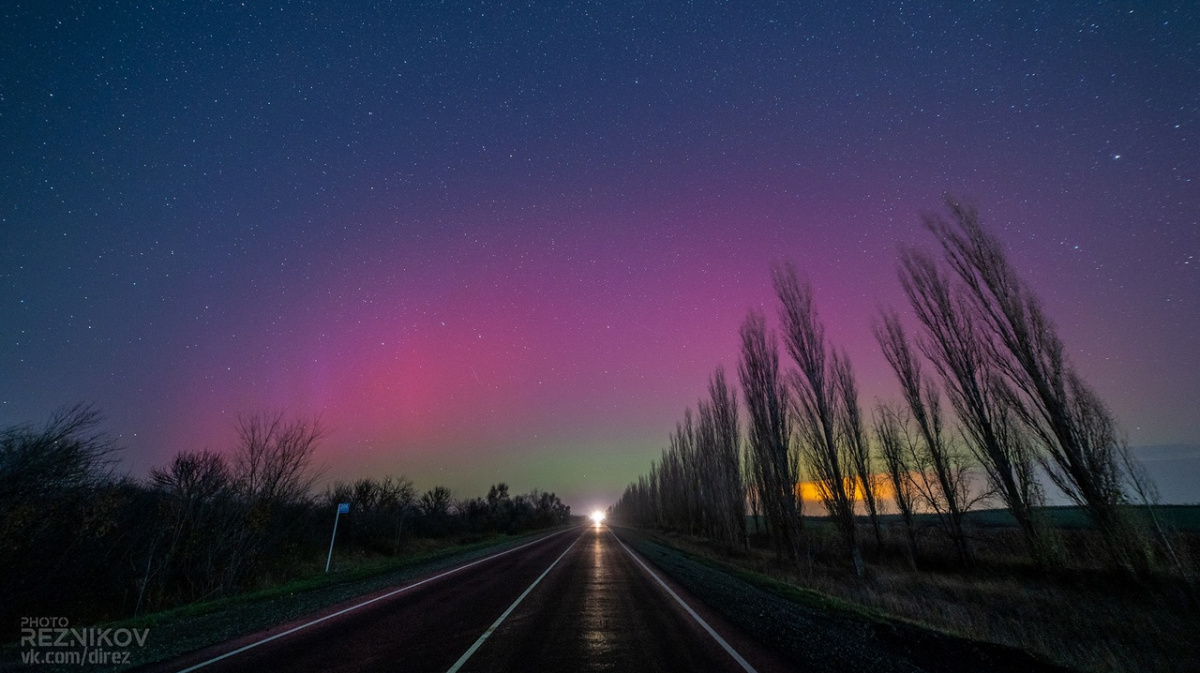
716	636
467	655
367	602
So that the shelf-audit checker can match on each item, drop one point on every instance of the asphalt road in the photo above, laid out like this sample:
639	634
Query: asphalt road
578	600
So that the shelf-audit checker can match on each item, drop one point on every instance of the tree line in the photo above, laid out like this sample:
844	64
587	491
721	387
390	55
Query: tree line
79	540
989	400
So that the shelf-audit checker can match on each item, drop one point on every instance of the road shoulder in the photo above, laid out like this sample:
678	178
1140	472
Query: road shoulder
817	637
231	623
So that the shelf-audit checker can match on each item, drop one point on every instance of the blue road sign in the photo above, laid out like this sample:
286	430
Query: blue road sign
344	508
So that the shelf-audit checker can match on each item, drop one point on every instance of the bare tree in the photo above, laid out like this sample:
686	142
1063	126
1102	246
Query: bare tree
675	489
959	350
636	505
1073	427
895	444
851	429
338	492
381	507
193	476
769	435
707	471
397	501
273	460
69	452
696	484
273	477
654	494
437	501
197	548
51	480
688	485
817	403
719	446
1147	494
750	482
947	490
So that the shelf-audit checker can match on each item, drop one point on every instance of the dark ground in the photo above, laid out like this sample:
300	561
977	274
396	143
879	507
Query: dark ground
594	609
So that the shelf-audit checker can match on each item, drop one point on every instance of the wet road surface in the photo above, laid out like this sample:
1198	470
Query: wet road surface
577	600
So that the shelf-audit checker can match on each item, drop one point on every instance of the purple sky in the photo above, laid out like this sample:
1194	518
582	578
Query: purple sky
514	246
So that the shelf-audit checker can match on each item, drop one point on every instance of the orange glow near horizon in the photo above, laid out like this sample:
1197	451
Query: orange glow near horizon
809	491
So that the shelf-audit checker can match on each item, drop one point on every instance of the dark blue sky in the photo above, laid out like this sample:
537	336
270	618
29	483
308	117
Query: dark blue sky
511	242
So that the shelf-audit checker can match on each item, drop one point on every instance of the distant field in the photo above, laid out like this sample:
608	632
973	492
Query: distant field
1178	517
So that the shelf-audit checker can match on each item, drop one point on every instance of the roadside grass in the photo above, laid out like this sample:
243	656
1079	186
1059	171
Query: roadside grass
817	632
1084	618
347	570
191	627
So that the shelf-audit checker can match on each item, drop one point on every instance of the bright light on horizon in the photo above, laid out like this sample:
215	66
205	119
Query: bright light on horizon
597	516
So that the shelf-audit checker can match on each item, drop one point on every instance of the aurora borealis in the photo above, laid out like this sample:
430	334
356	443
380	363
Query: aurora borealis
510	241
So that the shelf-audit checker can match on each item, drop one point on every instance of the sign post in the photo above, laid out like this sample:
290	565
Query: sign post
343	508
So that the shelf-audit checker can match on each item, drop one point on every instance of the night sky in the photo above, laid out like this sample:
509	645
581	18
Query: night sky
511	241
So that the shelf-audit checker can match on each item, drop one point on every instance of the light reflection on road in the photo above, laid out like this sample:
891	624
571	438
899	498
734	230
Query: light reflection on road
598	602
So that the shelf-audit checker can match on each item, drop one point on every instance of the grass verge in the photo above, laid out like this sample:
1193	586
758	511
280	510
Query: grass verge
188	628
1081	621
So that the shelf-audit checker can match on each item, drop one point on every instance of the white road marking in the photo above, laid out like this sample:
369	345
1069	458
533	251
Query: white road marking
716	636
467	655
365	603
